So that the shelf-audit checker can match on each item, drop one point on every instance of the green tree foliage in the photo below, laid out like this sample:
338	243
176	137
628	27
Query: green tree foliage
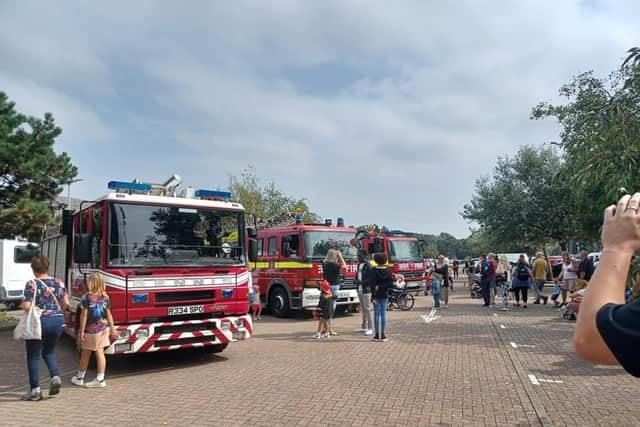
267	203
31	173
525	203
600	139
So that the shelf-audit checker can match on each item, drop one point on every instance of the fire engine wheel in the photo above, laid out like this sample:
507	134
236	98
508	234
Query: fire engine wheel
216	348
279	302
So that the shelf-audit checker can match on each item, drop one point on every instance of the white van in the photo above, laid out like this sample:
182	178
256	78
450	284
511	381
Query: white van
15	268
513	257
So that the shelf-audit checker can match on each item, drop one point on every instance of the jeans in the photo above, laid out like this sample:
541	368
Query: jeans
435	290
485	286
51	331
380	316
539	287
365	307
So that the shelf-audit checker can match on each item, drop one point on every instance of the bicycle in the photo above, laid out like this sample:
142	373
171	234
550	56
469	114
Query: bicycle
400	299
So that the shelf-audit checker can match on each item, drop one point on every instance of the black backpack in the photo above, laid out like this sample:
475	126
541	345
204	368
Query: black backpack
522	272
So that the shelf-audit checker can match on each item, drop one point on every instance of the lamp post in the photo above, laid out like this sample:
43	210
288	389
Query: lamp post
73	181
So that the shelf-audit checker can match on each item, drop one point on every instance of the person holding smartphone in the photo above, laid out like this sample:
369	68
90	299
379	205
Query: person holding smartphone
608	330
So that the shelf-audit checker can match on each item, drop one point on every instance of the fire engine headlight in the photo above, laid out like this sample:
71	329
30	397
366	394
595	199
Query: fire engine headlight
225	325
124	335
142	332
311	283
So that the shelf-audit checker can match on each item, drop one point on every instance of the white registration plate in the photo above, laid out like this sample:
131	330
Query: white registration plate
343	295
187	309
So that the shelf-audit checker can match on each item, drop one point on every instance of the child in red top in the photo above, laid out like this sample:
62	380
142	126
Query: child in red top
324	307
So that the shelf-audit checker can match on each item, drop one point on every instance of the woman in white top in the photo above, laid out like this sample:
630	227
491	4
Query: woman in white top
568	275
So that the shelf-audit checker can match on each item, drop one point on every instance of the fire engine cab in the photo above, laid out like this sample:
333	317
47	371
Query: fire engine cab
403	250
174	265
289	264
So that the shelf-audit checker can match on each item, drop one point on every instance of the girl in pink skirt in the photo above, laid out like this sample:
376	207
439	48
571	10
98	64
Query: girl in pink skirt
96	327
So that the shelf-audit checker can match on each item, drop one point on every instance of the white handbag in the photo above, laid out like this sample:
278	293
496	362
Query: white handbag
29	326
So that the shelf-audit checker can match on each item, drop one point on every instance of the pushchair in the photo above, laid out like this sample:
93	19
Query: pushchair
571	313
476	289
503	289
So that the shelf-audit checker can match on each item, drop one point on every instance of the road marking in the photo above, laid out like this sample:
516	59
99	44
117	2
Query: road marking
533	379
431	316
495	314
551	381
503	327
514	345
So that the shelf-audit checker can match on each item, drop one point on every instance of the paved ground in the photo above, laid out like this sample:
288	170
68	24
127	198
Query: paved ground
471	366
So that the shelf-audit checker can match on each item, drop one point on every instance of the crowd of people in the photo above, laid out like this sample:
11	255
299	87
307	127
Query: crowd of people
569	276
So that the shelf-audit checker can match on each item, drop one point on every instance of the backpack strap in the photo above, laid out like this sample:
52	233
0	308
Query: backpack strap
52	292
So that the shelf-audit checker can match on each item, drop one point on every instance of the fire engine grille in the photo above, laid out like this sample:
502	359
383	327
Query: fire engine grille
412	274
180	341
184	328
348	284
198	316
183	296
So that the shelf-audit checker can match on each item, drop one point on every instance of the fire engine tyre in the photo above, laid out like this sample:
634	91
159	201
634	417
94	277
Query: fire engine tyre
279	302
216	348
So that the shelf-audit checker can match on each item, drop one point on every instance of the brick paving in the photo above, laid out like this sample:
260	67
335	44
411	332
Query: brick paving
459	370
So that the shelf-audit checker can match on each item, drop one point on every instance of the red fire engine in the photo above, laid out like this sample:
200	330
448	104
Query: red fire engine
404	252
289	264
174	266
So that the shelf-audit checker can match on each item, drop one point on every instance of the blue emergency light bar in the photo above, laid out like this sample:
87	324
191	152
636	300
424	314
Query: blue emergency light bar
213	193
129	186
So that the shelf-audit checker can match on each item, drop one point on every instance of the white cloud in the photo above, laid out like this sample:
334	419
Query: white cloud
426	95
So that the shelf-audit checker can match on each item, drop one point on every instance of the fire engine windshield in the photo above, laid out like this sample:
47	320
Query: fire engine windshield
317	243
142	235
404	250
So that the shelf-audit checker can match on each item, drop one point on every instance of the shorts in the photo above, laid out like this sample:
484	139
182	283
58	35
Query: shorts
95	341
324	308
569	285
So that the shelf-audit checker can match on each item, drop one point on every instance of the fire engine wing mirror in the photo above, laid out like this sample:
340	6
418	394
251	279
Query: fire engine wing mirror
253	250
82	248
252	232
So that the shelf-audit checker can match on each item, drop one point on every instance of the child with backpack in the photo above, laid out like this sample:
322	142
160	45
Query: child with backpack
95	331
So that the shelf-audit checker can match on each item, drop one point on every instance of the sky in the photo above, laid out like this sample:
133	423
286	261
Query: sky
375	111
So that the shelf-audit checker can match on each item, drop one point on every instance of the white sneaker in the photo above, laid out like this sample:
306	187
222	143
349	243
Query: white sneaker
317	336
361	330
96	384
76	380
368	332
325	336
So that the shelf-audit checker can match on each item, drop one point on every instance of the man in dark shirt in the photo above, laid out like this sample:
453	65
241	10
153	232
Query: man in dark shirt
585	269
608	330
485	280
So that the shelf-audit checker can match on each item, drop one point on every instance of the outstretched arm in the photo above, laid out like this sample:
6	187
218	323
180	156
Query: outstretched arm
620	239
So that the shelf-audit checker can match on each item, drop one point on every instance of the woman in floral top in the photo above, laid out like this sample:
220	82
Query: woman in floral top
51	297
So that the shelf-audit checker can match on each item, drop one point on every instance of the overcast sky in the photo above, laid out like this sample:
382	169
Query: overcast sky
380	112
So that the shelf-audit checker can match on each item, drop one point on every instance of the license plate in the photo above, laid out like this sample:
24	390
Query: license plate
188	309
343	294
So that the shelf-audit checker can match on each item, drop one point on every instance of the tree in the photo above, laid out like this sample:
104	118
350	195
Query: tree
269	204
524	204
600	139
31	173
